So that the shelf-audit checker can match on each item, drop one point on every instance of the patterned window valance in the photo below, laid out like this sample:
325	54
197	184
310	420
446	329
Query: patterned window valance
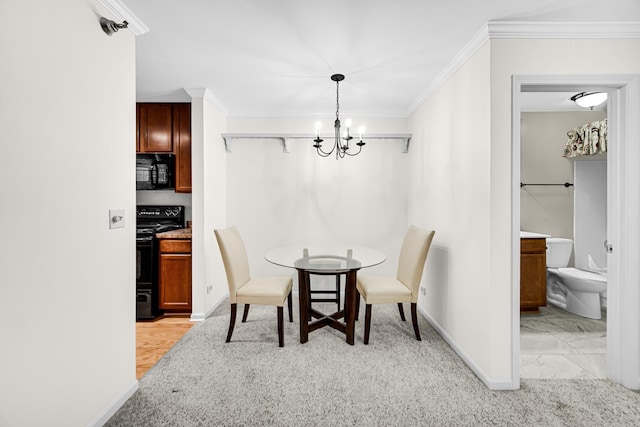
587	140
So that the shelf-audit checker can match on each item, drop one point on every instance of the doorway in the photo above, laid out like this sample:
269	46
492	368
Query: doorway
623	214
563	197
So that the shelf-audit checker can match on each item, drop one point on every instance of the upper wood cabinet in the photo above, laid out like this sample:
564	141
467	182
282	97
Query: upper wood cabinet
182	146
155	128
166	128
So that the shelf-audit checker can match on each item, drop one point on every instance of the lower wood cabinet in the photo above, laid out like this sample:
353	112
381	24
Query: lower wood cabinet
175	275
533	274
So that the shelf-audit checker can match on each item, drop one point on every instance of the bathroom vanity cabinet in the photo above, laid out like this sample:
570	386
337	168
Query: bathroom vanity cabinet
533	274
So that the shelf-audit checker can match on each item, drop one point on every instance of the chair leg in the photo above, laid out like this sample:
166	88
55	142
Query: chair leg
246	313
414	318
401	309
280	327
367	323
357	304
290	306
232	321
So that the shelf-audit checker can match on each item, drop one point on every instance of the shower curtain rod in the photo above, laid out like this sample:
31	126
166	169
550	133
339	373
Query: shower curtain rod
566	184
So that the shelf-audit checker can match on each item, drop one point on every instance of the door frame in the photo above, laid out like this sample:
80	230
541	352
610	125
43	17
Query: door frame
623	216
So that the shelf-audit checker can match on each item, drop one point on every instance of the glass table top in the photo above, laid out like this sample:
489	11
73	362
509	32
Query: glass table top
325	258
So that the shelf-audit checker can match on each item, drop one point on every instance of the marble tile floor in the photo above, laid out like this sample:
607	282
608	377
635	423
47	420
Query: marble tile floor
555	344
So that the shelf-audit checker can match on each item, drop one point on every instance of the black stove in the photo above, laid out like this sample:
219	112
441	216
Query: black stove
151	220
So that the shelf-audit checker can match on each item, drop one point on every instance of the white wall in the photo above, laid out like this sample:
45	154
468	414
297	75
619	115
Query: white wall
450	192
544	209
209	196
460	185
277	199
511	57
67	282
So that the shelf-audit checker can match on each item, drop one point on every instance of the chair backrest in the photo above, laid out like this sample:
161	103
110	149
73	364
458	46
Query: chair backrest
413	255
234	257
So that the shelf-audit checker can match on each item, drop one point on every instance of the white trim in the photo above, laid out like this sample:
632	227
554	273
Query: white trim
385	114
208	96
122	13
104	416
516	85
482	376
623	324
623	314
199	317
563	30
526	30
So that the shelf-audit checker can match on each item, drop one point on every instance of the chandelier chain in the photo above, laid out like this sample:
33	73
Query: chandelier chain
337	100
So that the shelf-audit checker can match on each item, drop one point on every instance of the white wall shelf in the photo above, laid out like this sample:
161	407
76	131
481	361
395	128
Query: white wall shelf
286	138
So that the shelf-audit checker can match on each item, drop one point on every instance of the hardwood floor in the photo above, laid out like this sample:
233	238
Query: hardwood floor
155	338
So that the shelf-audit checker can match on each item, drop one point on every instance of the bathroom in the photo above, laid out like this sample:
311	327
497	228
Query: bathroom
556	343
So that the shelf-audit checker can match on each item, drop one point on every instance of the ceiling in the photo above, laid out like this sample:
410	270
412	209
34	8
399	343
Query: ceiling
275	58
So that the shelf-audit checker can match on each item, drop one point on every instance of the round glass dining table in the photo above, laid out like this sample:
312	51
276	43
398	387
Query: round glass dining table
326	260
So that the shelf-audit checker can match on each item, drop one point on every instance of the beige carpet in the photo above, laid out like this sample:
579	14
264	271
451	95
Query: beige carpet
394	381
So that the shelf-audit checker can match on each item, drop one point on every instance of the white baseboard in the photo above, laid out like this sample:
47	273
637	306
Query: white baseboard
482	376
199	317
102	418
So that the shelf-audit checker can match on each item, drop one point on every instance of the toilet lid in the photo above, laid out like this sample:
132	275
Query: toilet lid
582	274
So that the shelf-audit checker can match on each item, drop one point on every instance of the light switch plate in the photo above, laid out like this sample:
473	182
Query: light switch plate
116	218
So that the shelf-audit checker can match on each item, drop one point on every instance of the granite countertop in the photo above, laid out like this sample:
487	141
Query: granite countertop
182	233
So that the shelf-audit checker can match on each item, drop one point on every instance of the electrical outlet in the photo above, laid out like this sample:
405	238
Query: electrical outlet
116	218
423	290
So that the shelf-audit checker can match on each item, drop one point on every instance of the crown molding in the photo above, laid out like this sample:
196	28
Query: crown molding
122	13
458	61
527	30
208	96
563	30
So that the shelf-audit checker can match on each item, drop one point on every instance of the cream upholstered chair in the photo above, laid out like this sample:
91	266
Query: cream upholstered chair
246	290
402	288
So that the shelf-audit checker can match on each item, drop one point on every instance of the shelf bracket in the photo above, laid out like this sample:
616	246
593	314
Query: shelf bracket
406	141
227	143
285	145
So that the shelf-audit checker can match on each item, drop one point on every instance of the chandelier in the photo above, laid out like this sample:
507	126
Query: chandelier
341	142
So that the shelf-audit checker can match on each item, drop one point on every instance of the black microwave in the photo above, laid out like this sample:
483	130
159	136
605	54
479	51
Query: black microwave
155	171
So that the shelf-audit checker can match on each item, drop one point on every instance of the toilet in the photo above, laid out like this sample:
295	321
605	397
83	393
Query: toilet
574	290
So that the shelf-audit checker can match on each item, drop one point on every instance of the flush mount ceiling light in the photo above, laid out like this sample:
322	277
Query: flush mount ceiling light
341	148
589	99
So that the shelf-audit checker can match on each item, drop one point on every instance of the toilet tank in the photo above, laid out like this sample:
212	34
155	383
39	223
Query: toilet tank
558	252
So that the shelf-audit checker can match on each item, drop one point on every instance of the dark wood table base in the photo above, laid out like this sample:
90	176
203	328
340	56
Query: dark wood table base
332	320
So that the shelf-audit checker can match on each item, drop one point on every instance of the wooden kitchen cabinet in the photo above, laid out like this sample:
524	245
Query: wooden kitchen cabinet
175	275
166	128
533	274
182	146
154	128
